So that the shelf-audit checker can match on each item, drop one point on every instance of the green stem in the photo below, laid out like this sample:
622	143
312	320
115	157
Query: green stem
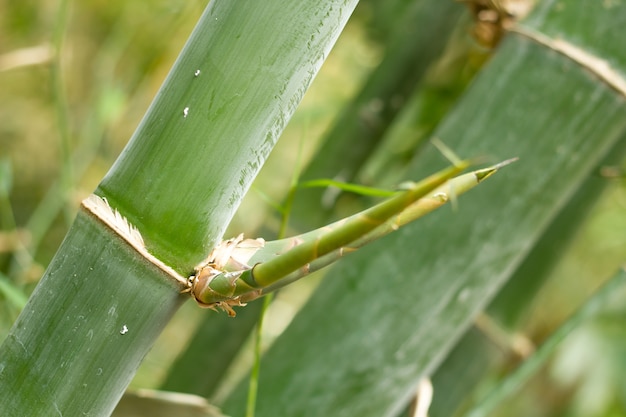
285	210
253	384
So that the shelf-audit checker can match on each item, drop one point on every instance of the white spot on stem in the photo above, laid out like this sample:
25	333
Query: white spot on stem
185	112
195	74
124	330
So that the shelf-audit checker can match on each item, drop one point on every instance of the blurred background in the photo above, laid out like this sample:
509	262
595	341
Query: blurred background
75	80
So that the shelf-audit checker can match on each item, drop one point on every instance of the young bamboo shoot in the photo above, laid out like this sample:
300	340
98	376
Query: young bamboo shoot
240	270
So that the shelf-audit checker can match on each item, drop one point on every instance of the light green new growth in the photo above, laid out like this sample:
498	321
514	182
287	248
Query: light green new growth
240	270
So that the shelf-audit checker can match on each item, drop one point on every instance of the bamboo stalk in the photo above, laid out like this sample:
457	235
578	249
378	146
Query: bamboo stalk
102	302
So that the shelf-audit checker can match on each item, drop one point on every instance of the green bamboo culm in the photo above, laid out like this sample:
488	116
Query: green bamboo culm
386	317
101	305
234	112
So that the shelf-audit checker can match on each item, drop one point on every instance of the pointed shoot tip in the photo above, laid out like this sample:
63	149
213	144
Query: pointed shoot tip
485	173
505	163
